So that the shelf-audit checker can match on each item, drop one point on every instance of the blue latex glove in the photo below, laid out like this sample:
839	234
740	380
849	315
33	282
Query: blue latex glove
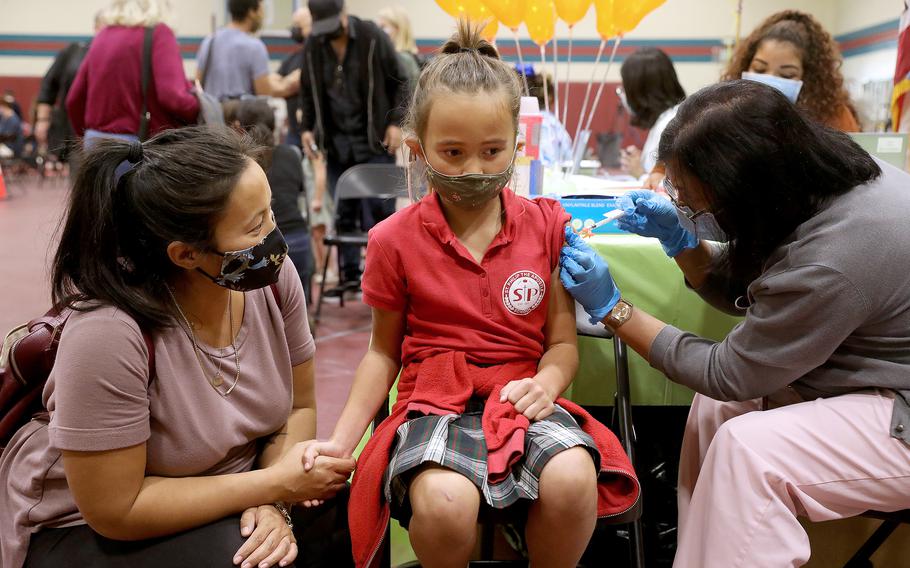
651	215
587	277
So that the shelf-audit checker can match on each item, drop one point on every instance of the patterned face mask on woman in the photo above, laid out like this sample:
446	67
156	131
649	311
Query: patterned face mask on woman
252	268
468	191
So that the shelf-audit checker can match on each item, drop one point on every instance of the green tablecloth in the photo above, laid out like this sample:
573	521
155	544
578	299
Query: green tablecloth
651	281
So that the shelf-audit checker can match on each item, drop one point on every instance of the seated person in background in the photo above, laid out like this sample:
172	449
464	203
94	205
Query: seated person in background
183	385
11	135
651	94
793	53
468	306
285	175
555	142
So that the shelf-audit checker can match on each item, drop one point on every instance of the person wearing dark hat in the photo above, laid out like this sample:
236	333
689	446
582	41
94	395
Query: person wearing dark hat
353	97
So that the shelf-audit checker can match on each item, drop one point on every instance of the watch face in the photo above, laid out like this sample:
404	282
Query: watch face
624	311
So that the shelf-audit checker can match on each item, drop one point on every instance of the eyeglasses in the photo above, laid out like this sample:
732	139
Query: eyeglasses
673	194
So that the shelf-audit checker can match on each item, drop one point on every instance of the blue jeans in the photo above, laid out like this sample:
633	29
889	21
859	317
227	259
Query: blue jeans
92	135
301	252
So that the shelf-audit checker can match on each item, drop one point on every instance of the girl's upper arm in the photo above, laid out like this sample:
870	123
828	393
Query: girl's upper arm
560	326
388	333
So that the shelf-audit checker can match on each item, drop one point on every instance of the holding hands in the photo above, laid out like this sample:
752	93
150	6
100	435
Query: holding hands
310	485
651	215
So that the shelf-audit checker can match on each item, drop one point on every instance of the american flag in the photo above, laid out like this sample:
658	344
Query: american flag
901	72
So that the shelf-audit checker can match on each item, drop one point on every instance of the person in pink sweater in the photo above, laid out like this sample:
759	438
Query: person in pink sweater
106	96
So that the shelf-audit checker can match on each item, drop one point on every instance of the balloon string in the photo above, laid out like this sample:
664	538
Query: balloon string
602	83
565	93
555	79
521	63
584	106
600	90
543	65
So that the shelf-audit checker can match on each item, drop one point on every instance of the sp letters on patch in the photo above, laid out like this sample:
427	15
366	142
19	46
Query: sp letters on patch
522	292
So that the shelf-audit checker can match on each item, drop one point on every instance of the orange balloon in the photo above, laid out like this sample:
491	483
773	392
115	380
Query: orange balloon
629	13
509	12
572	11
449	6
540	17
606	24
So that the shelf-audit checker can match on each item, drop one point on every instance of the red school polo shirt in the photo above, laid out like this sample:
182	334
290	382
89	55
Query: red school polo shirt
493	311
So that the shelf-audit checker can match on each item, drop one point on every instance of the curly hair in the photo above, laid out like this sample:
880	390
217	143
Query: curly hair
823	95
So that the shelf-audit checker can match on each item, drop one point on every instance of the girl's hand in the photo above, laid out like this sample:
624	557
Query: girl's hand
328	448
271	541
529	398
316	204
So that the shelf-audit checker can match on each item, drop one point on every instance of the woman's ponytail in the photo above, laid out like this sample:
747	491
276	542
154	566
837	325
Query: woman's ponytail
129	202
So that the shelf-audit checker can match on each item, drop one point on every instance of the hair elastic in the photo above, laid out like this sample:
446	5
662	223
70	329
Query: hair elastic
133	158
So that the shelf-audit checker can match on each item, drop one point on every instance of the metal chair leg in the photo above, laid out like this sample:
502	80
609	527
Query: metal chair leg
325	270
627	432
862	558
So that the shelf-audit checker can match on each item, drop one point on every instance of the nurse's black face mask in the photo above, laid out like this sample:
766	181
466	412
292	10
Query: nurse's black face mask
252	268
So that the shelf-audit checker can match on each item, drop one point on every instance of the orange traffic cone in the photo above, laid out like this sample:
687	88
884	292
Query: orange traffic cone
2	186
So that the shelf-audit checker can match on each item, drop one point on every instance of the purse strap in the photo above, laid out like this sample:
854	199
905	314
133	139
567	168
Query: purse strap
144	116
208	59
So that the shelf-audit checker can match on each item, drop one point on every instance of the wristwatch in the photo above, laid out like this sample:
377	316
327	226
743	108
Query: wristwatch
619	315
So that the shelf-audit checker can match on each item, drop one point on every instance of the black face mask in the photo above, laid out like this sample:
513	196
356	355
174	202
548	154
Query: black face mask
297	34
252	268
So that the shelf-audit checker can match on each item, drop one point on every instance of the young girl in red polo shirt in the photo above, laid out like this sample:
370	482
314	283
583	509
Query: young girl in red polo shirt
468	307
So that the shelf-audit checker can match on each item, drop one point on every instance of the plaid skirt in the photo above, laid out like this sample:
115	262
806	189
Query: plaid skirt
456	441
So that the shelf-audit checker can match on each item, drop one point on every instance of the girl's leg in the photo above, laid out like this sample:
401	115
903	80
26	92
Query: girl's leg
825	459
443	528
561	521
706	416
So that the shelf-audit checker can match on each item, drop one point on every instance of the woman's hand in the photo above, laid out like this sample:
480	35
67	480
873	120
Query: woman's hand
323	479
529	398
316	204
650	215
271	541
586	276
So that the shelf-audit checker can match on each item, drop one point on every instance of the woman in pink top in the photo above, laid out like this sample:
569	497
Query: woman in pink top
106	96
195	459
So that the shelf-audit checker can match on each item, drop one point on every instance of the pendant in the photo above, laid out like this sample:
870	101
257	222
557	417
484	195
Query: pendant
217	380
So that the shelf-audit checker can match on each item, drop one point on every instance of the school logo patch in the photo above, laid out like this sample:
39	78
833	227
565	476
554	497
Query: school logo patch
523	292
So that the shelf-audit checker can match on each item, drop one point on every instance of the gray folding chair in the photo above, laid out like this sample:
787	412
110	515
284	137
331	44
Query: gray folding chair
380	181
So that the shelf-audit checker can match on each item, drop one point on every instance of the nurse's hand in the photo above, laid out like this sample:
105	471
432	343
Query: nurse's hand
587	277
651	215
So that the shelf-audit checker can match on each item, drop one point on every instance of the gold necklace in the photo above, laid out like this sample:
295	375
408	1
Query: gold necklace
218	379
